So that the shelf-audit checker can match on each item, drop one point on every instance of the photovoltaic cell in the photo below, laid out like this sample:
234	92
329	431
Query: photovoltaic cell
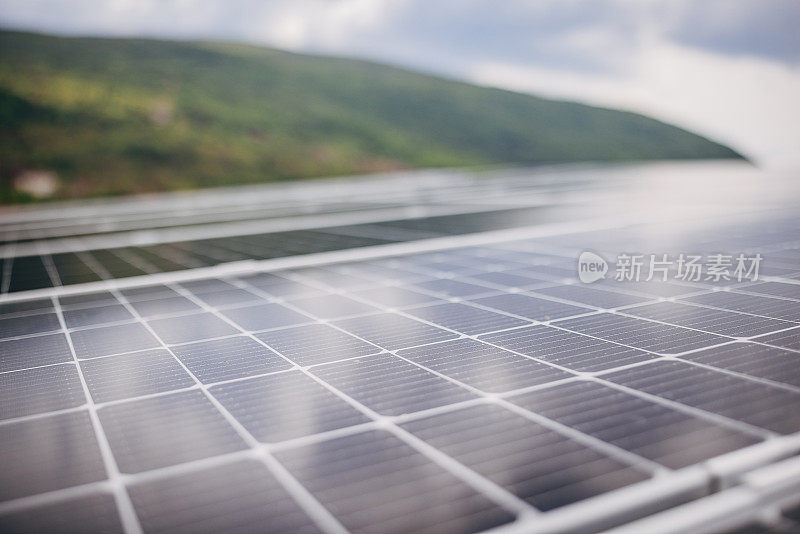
465	319
568	349
332	306
92	513
228	297
709	320
659	433
26	307
546	272
47	454
150	292
789	339
316	343
482	366
191	328
171	429
114	264
378	271
530	307
72	269
40	390
103	341
754	360
395	297
277	286
265	316
331	278
349	477
33	352
85	300
241	497
389	385
647	335
30	324
453	288
207	286
776	289
756	403
133	375
27	273
163	306
654	288
228	359
535	463
285	406
96	315
591	296
755	304
508	280
392	331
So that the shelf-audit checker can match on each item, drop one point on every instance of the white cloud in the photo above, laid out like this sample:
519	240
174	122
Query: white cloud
749	103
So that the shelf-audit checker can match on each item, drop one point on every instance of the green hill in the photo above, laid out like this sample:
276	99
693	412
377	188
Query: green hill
112	116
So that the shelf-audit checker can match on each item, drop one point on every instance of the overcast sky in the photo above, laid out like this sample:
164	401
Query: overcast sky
729	69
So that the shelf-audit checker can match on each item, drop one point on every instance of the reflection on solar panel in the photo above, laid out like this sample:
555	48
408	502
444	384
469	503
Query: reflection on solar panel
458	384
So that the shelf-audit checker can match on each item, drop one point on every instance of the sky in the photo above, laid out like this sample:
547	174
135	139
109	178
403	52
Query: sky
728	69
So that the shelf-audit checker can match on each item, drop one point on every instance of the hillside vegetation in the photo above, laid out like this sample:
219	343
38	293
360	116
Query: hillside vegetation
114	116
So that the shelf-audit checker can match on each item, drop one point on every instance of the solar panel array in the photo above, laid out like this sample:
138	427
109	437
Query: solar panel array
44	270
478	387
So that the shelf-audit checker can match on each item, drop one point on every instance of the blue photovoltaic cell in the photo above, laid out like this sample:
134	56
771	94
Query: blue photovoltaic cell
568	349
265	316
754	360
40	390
389	385
162	431
647	335
96	315
30	324
659	433
755	304
95	513
163	306
33	352
535	463
756	403
102	341
238	497
591	296
316	343
789	339
530	307
482	366
332	306
285	406
349	476
392	331
709	320
228	359
465	319
47	454
191	328
134	375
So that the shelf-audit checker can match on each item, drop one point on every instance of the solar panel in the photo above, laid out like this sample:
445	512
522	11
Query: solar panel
457	384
